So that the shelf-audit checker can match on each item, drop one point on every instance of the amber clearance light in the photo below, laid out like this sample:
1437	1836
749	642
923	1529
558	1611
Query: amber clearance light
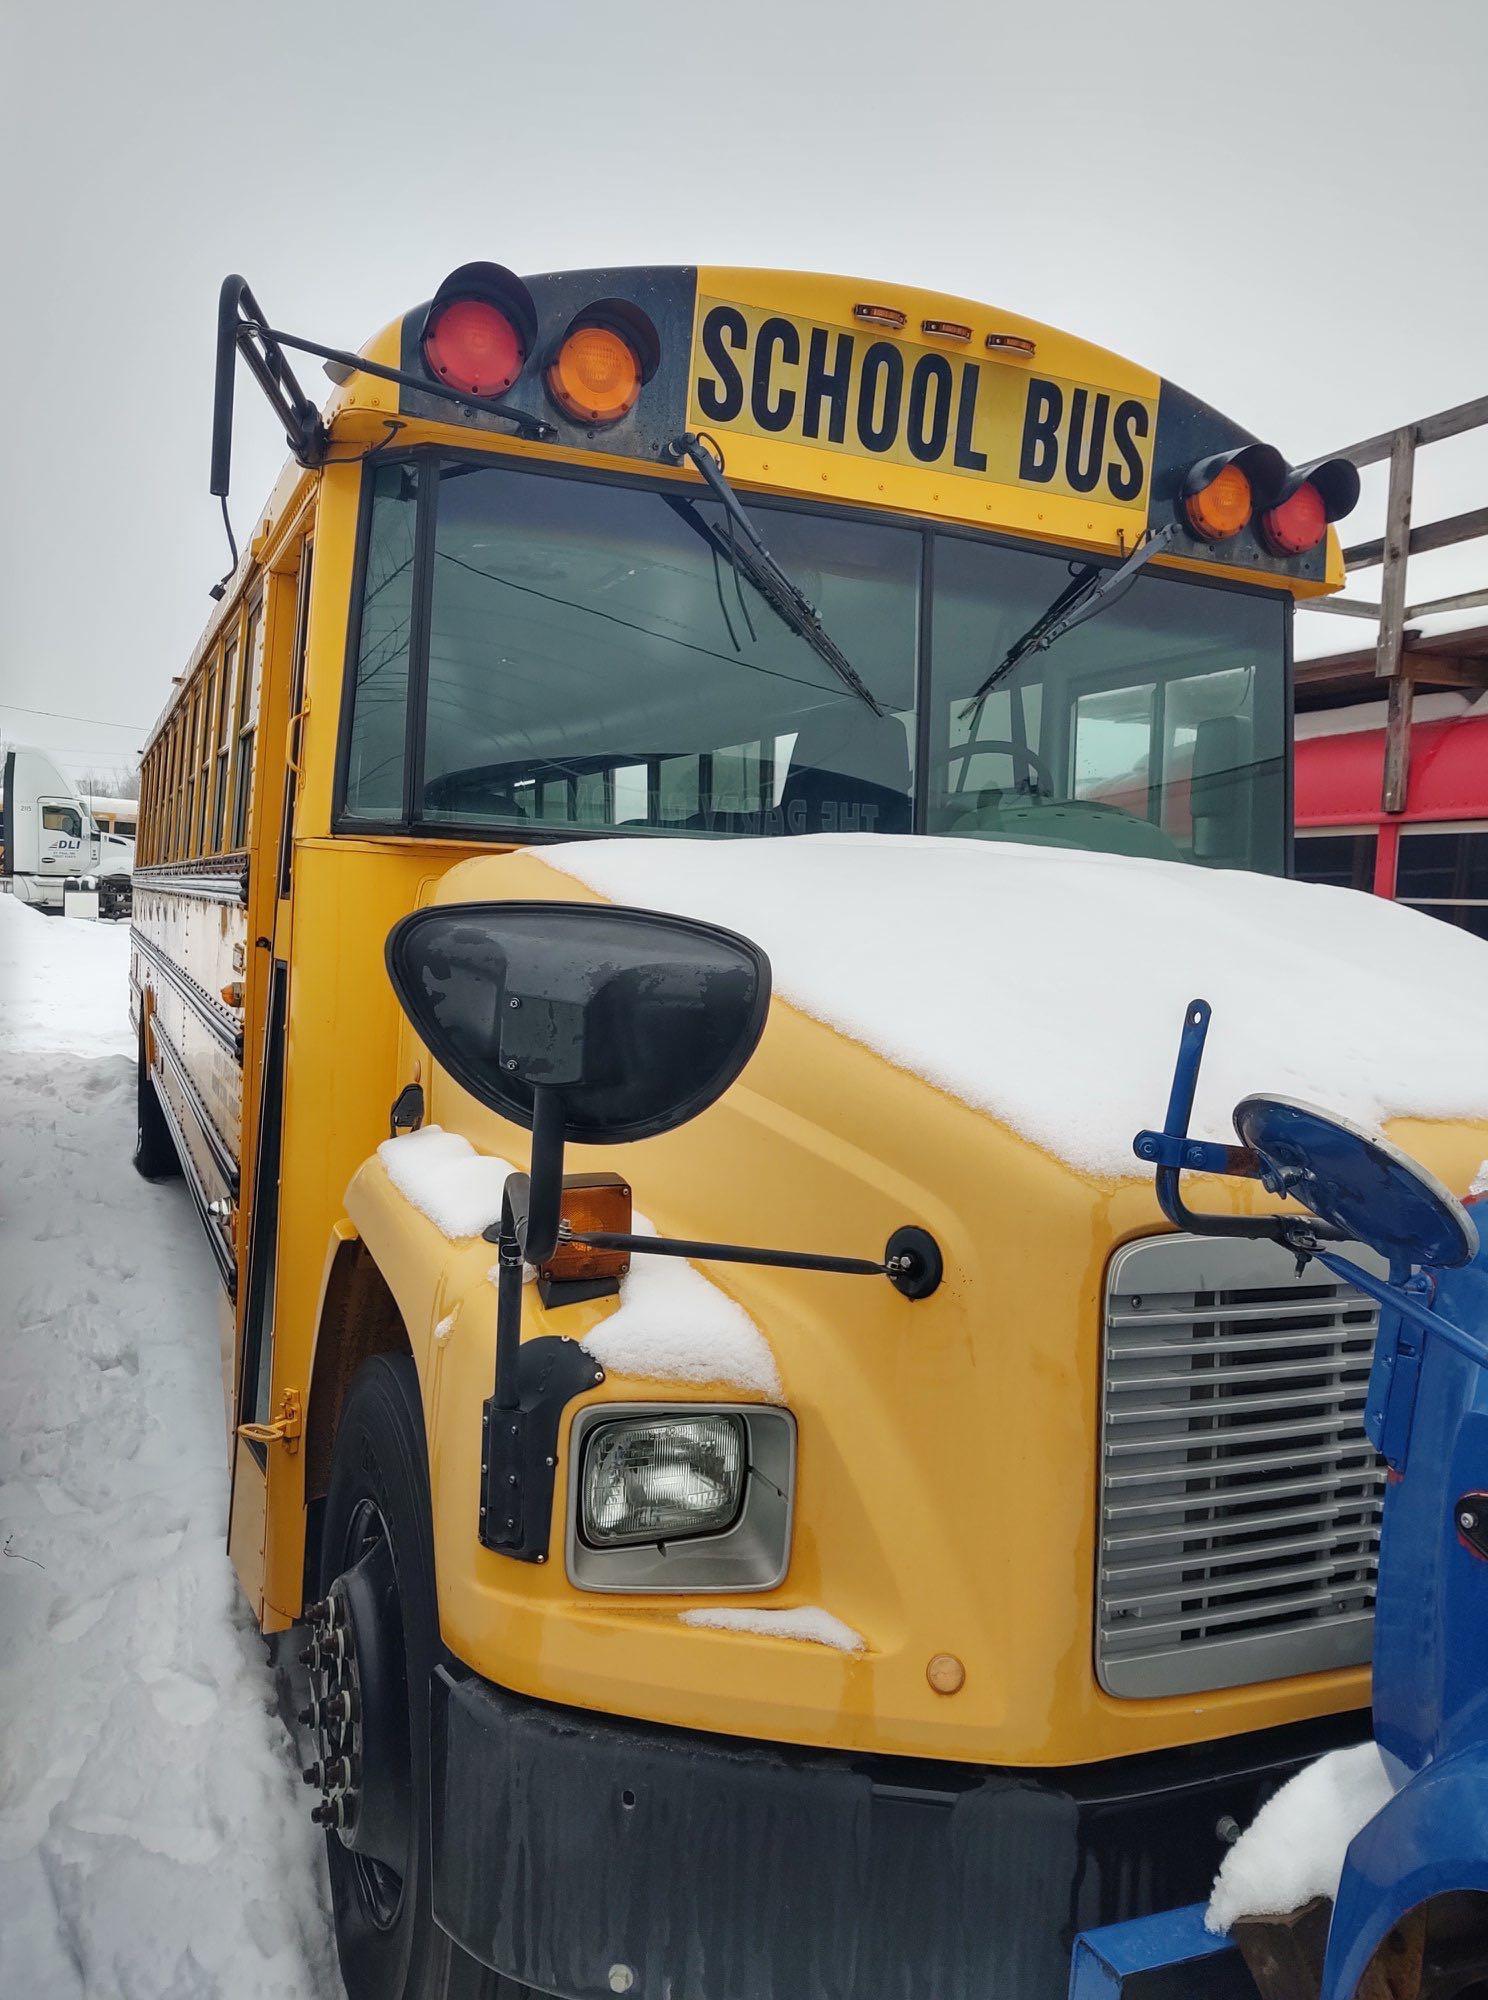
1221	508
595	377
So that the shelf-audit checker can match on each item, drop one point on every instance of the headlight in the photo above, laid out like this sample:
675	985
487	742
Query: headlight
659	1478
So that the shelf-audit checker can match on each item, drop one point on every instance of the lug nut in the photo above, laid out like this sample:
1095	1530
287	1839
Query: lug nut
314	1774
314	1613
328	1814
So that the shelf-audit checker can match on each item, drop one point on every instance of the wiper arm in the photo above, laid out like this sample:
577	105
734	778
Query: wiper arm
773	583
1090	591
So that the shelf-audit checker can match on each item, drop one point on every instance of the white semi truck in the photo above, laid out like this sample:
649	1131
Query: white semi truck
48	838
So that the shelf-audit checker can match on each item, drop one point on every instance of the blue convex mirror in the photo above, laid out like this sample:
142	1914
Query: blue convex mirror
637	1020
1357	1181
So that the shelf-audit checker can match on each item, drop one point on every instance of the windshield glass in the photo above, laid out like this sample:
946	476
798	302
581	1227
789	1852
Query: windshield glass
591	661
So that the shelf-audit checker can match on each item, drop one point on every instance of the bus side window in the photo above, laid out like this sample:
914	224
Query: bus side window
296	725
374	782
247	722
223	735
203	829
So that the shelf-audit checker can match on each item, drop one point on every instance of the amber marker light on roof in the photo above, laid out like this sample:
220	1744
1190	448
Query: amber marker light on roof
1012	343
1221	508
880	315
595	377
945	329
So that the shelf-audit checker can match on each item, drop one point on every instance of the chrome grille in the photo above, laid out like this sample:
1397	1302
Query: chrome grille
1240	1499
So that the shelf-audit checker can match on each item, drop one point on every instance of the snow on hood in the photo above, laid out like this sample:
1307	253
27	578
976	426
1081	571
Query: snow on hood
1046	986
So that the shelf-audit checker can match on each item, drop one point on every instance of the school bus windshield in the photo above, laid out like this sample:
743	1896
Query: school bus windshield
577	655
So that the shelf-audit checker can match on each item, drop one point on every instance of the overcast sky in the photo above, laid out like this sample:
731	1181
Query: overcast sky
1280	206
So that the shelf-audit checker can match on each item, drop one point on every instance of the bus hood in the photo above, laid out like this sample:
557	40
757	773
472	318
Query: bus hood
1046	987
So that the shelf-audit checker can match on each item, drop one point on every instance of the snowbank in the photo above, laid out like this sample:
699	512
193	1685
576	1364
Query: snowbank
671	1324
1294	1848
1047	986
806	1622
63	983
154	1840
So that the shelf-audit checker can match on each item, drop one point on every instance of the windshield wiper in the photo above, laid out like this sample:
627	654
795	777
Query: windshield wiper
1089	591
754	562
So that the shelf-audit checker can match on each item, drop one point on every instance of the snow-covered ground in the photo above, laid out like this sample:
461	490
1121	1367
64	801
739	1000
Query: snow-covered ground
154	1839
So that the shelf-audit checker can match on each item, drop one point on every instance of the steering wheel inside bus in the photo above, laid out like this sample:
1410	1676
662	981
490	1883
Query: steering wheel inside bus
1036	779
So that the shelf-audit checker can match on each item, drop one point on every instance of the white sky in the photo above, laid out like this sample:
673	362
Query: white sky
1282	206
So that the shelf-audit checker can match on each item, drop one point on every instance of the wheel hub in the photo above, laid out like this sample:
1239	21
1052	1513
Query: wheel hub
359	1711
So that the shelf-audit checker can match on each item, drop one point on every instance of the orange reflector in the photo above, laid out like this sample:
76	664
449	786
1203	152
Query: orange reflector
595	377
879	315
1221	508
590	1202
948	329
1011	343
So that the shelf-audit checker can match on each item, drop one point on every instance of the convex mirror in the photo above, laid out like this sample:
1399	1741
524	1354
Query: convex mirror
636	1019
1357	1181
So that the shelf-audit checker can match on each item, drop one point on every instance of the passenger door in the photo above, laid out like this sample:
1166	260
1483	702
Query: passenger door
259	1408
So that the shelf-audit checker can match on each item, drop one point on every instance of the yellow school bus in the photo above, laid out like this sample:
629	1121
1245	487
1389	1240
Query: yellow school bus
794	1615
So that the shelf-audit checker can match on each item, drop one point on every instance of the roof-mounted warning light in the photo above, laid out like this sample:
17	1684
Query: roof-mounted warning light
1222	491
1311	496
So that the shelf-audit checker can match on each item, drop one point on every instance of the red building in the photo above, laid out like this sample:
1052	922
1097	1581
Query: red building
1434	854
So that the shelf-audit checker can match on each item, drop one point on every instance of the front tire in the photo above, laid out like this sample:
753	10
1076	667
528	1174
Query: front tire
377	1572
155	1155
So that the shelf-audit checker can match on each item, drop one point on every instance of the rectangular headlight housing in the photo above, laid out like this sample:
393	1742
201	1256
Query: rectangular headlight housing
658	1479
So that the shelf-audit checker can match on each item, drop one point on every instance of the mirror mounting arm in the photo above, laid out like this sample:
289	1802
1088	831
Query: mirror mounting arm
911	1261
1171	1150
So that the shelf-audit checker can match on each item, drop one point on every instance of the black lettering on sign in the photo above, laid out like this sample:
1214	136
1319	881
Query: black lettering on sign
1039	459
827	385
1127	426
929	407
966	458
877	428
1085	451
775	335
723	328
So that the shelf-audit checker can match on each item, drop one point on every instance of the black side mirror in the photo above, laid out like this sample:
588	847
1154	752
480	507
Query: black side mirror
637	1020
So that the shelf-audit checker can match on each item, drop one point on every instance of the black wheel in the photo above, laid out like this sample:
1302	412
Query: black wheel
374	1643
155	1154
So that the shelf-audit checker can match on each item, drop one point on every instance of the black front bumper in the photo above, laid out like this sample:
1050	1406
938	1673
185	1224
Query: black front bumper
585	1855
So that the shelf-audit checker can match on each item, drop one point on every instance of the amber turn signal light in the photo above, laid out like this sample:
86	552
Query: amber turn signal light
595	377
592	1203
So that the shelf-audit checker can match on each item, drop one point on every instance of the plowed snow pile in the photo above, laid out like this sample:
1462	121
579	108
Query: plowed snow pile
153	1839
